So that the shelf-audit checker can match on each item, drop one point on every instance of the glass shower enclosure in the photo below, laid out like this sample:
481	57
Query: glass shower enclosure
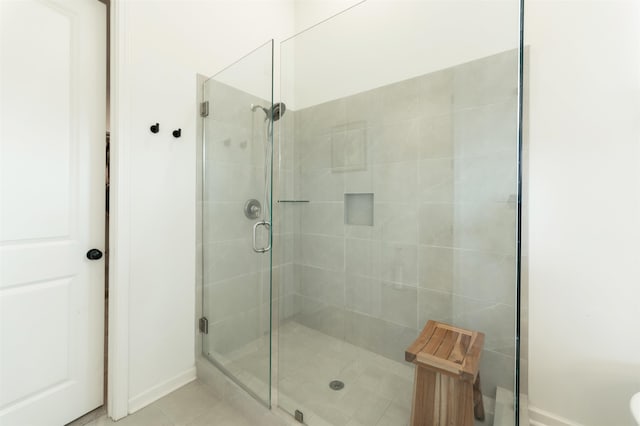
236	220
385	194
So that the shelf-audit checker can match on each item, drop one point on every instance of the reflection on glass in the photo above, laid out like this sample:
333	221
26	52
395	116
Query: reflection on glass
237	159
422	124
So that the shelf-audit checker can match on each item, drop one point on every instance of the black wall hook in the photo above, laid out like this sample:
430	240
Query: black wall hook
155	128
177	133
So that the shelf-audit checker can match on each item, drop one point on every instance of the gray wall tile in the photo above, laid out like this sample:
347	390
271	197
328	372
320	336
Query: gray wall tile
321	284
436	136
438	153
436	268
325	218
321	251
434	305
485	81
486	129
436	224
398	304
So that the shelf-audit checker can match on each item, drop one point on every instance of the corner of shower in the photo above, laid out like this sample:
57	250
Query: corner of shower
387	195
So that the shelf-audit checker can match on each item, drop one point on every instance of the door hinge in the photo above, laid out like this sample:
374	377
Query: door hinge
203	325
204	109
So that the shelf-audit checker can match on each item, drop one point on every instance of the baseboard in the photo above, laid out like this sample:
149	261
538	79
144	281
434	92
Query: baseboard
538	417
164	388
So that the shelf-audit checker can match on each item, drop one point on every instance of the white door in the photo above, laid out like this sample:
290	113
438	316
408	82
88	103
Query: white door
52	175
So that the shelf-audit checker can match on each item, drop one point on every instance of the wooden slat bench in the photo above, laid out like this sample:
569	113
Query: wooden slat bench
447	378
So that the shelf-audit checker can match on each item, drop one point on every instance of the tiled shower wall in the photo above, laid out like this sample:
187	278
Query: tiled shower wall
438	153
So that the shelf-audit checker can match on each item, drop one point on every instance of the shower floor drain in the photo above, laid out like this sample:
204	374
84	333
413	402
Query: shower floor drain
336	385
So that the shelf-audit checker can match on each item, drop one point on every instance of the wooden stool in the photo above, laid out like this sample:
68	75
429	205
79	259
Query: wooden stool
447	380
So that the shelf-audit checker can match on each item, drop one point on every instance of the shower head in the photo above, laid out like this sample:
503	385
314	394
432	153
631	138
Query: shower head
254	107
275	112
278	111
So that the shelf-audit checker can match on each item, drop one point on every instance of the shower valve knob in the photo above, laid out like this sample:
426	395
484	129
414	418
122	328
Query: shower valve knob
177	133
252	209
155	128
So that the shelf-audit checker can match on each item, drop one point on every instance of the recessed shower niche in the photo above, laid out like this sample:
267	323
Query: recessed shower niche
358	209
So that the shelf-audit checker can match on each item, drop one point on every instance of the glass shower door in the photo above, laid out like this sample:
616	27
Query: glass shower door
236	220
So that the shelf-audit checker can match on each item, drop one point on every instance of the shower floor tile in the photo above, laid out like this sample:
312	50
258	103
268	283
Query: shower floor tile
377	390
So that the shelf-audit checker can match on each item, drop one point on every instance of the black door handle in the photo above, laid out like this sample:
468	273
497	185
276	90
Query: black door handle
94	254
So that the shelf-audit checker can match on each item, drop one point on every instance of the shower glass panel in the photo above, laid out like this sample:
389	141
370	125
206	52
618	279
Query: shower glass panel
399	156
236	219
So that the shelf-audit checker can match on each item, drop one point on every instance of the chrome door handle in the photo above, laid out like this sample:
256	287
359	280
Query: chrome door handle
255	230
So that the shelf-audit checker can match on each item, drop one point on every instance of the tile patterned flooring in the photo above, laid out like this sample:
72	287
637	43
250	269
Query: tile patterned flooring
377	390
195	404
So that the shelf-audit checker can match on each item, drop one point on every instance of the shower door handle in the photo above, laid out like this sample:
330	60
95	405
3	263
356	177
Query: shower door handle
255	231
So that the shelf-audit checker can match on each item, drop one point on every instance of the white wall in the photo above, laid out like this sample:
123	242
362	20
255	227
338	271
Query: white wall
584	198
584	209
165	44
311	12
386	41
